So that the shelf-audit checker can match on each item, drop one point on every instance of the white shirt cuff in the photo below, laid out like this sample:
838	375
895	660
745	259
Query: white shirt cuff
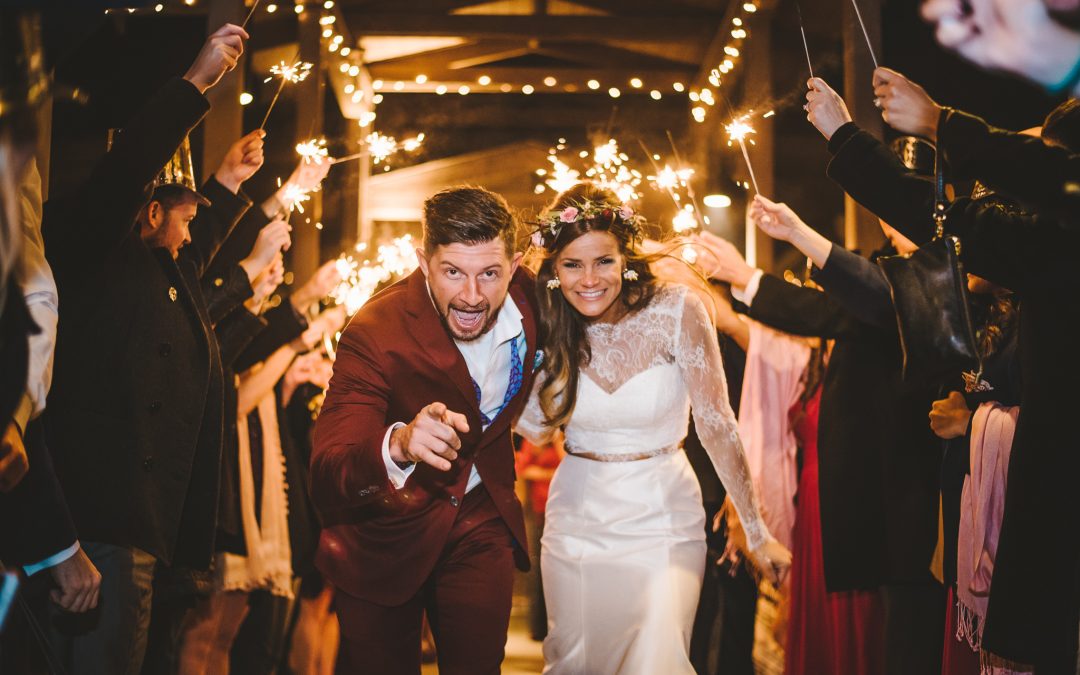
52	561
397	475
746	295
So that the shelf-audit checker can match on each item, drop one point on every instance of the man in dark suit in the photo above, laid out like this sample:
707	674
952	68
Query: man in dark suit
413	466
134	415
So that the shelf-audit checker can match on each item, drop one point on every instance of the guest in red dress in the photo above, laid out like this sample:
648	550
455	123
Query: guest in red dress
838	633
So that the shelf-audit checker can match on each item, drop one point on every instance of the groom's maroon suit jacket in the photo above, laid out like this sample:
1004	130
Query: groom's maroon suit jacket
380	543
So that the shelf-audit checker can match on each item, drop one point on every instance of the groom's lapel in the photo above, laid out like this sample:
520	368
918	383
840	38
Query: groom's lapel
437	345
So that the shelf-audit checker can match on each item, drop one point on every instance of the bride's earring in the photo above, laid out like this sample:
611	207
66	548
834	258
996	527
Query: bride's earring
629	274
554	283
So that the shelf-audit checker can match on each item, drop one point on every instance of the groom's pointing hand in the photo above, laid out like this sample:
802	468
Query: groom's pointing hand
431	438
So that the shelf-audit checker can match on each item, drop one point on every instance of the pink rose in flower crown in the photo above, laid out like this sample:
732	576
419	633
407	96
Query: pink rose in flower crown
625	212
569	214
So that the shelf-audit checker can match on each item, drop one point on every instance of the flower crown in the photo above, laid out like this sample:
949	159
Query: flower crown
552	222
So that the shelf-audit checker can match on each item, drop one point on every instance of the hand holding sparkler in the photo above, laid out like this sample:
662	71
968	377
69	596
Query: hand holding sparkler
730	266
905	106
242	160
825	109
780	222
265	283
272	240
219	54
325	280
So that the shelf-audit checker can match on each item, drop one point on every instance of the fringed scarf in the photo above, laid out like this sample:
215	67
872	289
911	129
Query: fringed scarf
982	504
268	563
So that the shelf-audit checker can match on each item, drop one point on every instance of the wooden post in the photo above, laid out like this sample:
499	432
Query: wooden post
309	124
861	229
224	124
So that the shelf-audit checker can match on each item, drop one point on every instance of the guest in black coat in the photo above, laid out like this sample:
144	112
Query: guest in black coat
878	460
1031	619
134	419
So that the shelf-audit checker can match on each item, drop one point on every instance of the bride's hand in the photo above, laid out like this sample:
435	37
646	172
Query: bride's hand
773	560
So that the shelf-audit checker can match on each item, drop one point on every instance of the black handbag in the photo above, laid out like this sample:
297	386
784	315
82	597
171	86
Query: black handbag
930	297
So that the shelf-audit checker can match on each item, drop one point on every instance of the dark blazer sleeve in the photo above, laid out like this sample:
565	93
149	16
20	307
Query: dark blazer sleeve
283	325
872	174
240	242
235	332
799	311
212	225
347	468
101	213
859	286
1023	167
225	293
34	519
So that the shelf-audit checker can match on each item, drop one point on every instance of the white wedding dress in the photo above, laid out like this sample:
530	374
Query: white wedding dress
623	551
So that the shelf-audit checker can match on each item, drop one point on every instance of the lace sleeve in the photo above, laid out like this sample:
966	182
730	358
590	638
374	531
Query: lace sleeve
697	353
530	423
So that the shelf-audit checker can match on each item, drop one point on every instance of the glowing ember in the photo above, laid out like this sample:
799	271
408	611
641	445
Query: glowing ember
313	151
379	146
738	130
684	220
360	279
294	73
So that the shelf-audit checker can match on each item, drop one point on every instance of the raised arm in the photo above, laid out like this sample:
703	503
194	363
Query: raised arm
697	354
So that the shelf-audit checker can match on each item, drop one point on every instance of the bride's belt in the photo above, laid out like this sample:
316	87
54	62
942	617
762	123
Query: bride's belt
624	456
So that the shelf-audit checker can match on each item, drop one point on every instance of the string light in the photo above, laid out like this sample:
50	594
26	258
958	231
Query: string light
483	80
636	83
614	92
527	89
550	81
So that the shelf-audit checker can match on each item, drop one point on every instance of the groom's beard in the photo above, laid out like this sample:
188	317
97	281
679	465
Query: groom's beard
484	322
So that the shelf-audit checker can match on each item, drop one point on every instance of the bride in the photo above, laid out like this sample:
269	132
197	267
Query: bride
625	359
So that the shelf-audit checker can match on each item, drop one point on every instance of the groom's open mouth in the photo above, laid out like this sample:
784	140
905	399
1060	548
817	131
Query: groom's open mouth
467	321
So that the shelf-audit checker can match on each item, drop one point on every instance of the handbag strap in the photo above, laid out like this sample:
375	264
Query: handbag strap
940	203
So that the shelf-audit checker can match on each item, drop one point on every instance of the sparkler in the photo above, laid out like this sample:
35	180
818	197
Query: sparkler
254	6
737	131
297	72
806	46
313	150
380	147
360	279
858	15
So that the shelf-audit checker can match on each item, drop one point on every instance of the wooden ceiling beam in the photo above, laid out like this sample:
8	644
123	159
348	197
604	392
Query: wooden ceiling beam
517	77
643	28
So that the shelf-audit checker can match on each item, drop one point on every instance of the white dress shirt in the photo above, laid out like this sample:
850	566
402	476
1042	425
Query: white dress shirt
746	295
488	359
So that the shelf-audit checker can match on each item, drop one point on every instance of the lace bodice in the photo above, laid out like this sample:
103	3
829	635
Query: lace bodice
647	371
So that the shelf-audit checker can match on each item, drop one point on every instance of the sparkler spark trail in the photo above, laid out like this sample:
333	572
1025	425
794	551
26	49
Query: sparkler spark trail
870	47
297	72
738	131
360	279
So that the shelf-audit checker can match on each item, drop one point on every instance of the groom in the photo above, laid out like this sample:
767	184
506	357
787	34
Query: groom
413	466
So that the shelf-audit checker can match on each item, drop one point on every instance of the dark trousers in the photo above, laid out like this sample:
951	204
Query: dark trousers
110	639
260	642
467	598
534	530
914	623
722	641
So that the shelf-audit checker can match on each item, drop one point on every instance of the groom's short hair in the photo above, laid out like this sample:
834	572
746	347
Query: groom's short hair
468	215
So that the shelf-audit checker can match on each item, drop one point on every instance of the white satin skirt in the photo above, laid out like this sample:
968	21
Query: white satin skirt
622	557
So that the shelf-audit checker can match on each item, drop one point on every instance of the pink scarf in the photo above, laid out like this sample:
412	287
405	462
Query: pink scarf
771	385
982	504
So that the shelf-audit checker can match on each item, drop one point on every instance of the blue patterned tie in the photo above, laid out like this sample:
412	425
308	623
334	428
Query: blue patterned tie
516	375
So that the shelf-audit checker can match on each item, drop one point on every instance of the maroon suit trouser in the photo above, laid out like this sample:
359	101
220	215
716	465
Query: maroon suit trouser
467	598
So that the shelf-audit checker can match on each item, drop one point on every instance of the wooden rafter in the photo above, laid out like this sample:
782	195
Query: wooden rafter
650	29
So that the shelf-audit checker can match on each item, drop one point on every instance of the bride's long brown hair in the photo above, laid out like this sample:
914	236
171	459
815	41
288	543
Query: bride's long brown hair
562	328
